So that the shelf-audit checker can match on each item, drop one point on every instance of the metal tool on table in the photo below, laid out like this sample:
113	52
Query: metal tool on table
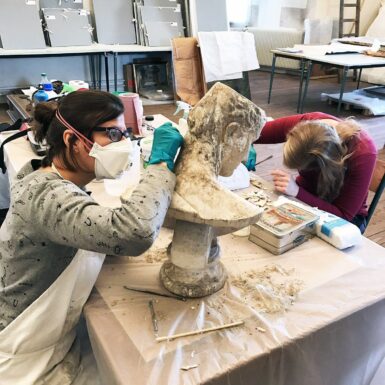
264	160
155	293
153	316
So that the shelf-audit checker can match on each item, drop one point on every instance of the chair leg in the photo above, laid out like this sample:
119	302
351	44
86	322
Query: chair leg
376	199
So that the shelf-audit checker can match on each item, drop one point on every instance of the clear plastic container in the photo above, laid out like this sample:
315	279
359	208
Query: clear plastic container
47	85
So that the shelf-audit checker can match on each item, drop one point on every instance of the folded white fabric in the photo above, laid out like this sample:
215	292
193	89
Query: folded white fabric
230	47
212	66
249	54
225	55
239	179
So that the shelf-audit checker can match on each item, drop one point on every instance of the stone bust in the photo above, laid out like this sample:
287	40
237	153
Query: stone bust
221	128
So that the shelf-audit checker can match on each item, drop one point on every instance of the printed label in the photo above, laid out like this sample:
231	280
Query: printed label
300	239
30	2
285	218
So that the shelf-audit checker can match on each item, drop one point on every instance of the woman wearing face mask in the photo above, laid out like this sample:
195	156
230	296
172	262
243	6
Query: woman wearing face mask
55	236
335	159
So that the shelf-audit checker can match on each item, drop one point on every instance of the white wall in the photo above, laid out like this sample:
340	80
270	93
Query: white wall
294	3
239	12
269	12
369	11
319	9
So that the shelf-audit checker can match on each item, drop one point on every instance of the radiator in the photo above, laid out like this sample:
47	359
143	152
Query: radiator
374	75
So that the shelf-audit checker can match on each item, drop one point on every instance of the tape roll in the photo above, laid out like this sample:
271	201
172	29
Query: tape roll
133	111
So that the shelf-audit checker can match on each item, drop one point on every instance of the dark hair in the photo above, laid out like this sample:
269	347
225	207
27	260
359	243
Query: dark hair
83	110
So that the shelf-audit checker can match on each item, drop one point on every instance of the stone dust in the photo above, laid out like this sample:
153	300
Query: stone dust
270	290
256	183
155	256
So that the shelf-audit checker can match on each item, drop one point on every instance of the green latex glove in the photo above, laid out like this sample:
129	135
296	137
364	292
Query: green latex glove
251	159
167	140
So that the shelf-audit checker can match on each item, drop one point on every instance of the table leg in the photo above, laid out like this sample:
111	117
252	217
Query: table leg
116	71
92	70
300	84
307	79
359	78
106	71
99	71
271	77
343	80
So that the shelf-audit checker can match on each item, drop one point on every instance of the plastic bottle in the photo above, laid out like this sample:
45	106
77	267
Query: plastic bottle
47	86
185	107
182	106
40	95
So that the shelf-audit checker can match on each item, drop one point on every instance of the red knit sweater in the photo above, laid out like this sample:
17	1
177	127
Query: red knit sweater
352	198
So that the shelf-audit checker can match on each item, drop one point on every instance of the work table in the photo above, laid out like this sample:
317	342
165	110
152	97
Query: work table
332	334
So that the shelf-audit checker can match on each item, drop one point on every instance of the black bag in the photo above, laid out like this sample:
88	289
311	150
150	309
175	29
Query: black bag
10	127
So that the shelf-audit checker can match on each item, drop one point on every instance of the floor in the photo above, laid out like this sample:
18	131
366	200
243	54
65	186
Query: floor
283	102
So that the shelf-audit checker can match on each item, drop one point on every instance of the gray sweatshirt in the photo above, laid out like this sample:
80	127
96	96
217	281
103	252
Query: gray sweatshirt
49	219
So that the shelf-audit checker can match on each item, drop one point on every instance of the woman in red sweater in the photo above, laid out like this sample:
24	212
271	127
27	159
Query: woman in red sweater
335	160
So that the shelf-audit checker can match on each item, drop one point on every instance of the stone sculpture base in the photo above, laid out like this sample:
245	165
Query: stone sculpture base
193	283
193	269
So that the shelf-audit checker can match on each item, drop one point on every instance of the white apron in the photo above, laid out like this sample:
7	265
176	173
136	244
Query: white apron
39	346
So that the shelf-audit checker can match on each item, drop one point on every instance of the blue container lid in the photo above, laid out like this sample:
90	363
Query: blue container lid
48	86
41	96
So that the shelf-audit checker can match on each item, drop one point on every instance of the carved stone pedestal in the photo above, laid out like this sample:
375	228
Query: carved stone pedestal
193	269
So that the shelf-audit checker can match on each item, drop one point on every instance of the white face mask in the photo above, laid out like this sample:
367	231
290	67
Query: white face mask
111	160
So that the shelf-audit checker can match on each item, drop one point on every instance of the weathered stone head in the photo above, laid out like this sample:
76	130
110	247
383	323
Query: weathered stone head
221	128
227	123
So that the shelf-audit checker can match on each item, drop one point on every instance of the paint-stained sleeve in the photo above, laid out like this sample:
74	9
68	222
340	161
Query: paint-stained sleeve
66	215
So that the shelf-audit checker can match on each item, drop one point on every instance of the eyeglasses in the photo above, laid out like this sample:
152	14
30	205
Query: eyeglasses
114	133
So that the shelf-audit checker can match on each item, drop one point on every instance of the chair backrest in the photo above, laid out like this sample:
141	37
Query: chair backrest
377	185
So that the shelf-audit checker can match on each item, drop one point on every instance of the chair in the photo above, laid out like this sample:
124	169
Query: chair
377	185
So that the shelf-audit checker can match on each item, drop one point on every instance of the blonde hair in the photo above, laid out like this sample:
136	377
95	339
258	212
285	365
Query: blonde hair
314	145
